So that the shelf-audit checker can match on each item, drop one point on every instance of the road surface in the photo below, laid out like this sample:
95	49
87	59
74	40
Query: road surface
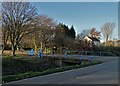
105	73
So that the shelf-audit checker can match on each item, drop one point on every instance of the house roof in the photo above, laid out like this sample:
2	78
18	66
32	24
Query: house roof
94	39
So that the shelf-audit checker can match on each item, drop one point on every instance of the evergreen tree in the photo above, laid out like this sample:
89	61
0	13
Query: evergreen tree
65	30
72	32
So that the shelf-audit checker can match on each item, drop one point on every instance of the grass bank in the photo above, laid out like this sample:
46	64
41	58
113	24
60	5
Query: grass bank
49	70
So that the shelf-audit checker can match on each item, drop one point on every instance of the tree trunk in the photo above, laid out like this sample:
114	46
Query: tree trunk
107	38
17	47
45	48
35	45
3	48
13	54
35	48
13	50
41	46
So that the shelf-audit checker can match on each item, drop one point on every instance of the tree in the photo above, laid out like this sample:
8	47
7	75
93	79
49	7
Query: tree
5	36
84	33
72	32
107	29
94	34
44	31
59	35
64	37
18	16
68	32
27	42
5	32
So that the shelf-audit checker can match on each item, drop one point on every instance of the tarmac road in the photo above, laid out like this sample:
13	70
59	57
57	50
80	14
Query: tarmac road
105	73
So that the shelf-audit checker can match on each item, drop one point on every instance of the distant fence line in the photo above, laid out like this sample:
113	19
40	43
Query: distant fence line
93	53
87	55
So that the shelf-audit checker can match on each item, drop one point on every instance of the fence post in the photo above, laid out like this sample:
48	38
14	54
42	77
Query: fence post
65	54
100	53
52	55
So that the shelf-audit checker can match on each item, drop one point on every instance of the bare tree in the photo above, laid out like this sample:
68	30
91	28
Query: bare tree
27	42
18	16
5	36
44	31
94	33
91	33
107	30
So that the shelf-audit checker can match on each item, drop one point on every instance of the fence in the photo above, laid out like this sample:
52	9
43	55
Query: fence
87	55
90	53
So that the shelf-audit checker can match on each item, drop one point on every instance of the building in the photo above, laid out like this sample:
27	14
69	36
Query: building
92	40
115	43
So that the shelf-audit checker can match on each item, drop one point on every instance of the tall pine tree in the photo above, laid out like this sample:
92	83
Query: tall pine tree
72	32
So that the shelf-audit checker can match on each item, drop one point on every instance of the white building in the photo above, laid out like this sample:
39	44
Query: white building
92	40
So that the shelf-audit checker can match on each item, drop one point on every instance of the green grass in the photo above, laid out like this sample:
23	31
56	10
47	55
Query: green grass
45	72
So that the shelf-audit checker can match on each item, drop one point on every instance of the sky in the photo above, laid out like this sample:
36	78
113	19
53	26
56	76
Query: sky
82	15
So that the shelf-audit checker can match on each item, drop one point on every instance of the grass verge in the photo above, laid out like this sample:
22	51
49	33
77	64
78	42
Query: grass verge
48	71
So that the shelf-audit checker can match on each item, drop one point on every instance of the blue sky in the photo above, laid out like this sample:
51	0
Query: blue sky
82	15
